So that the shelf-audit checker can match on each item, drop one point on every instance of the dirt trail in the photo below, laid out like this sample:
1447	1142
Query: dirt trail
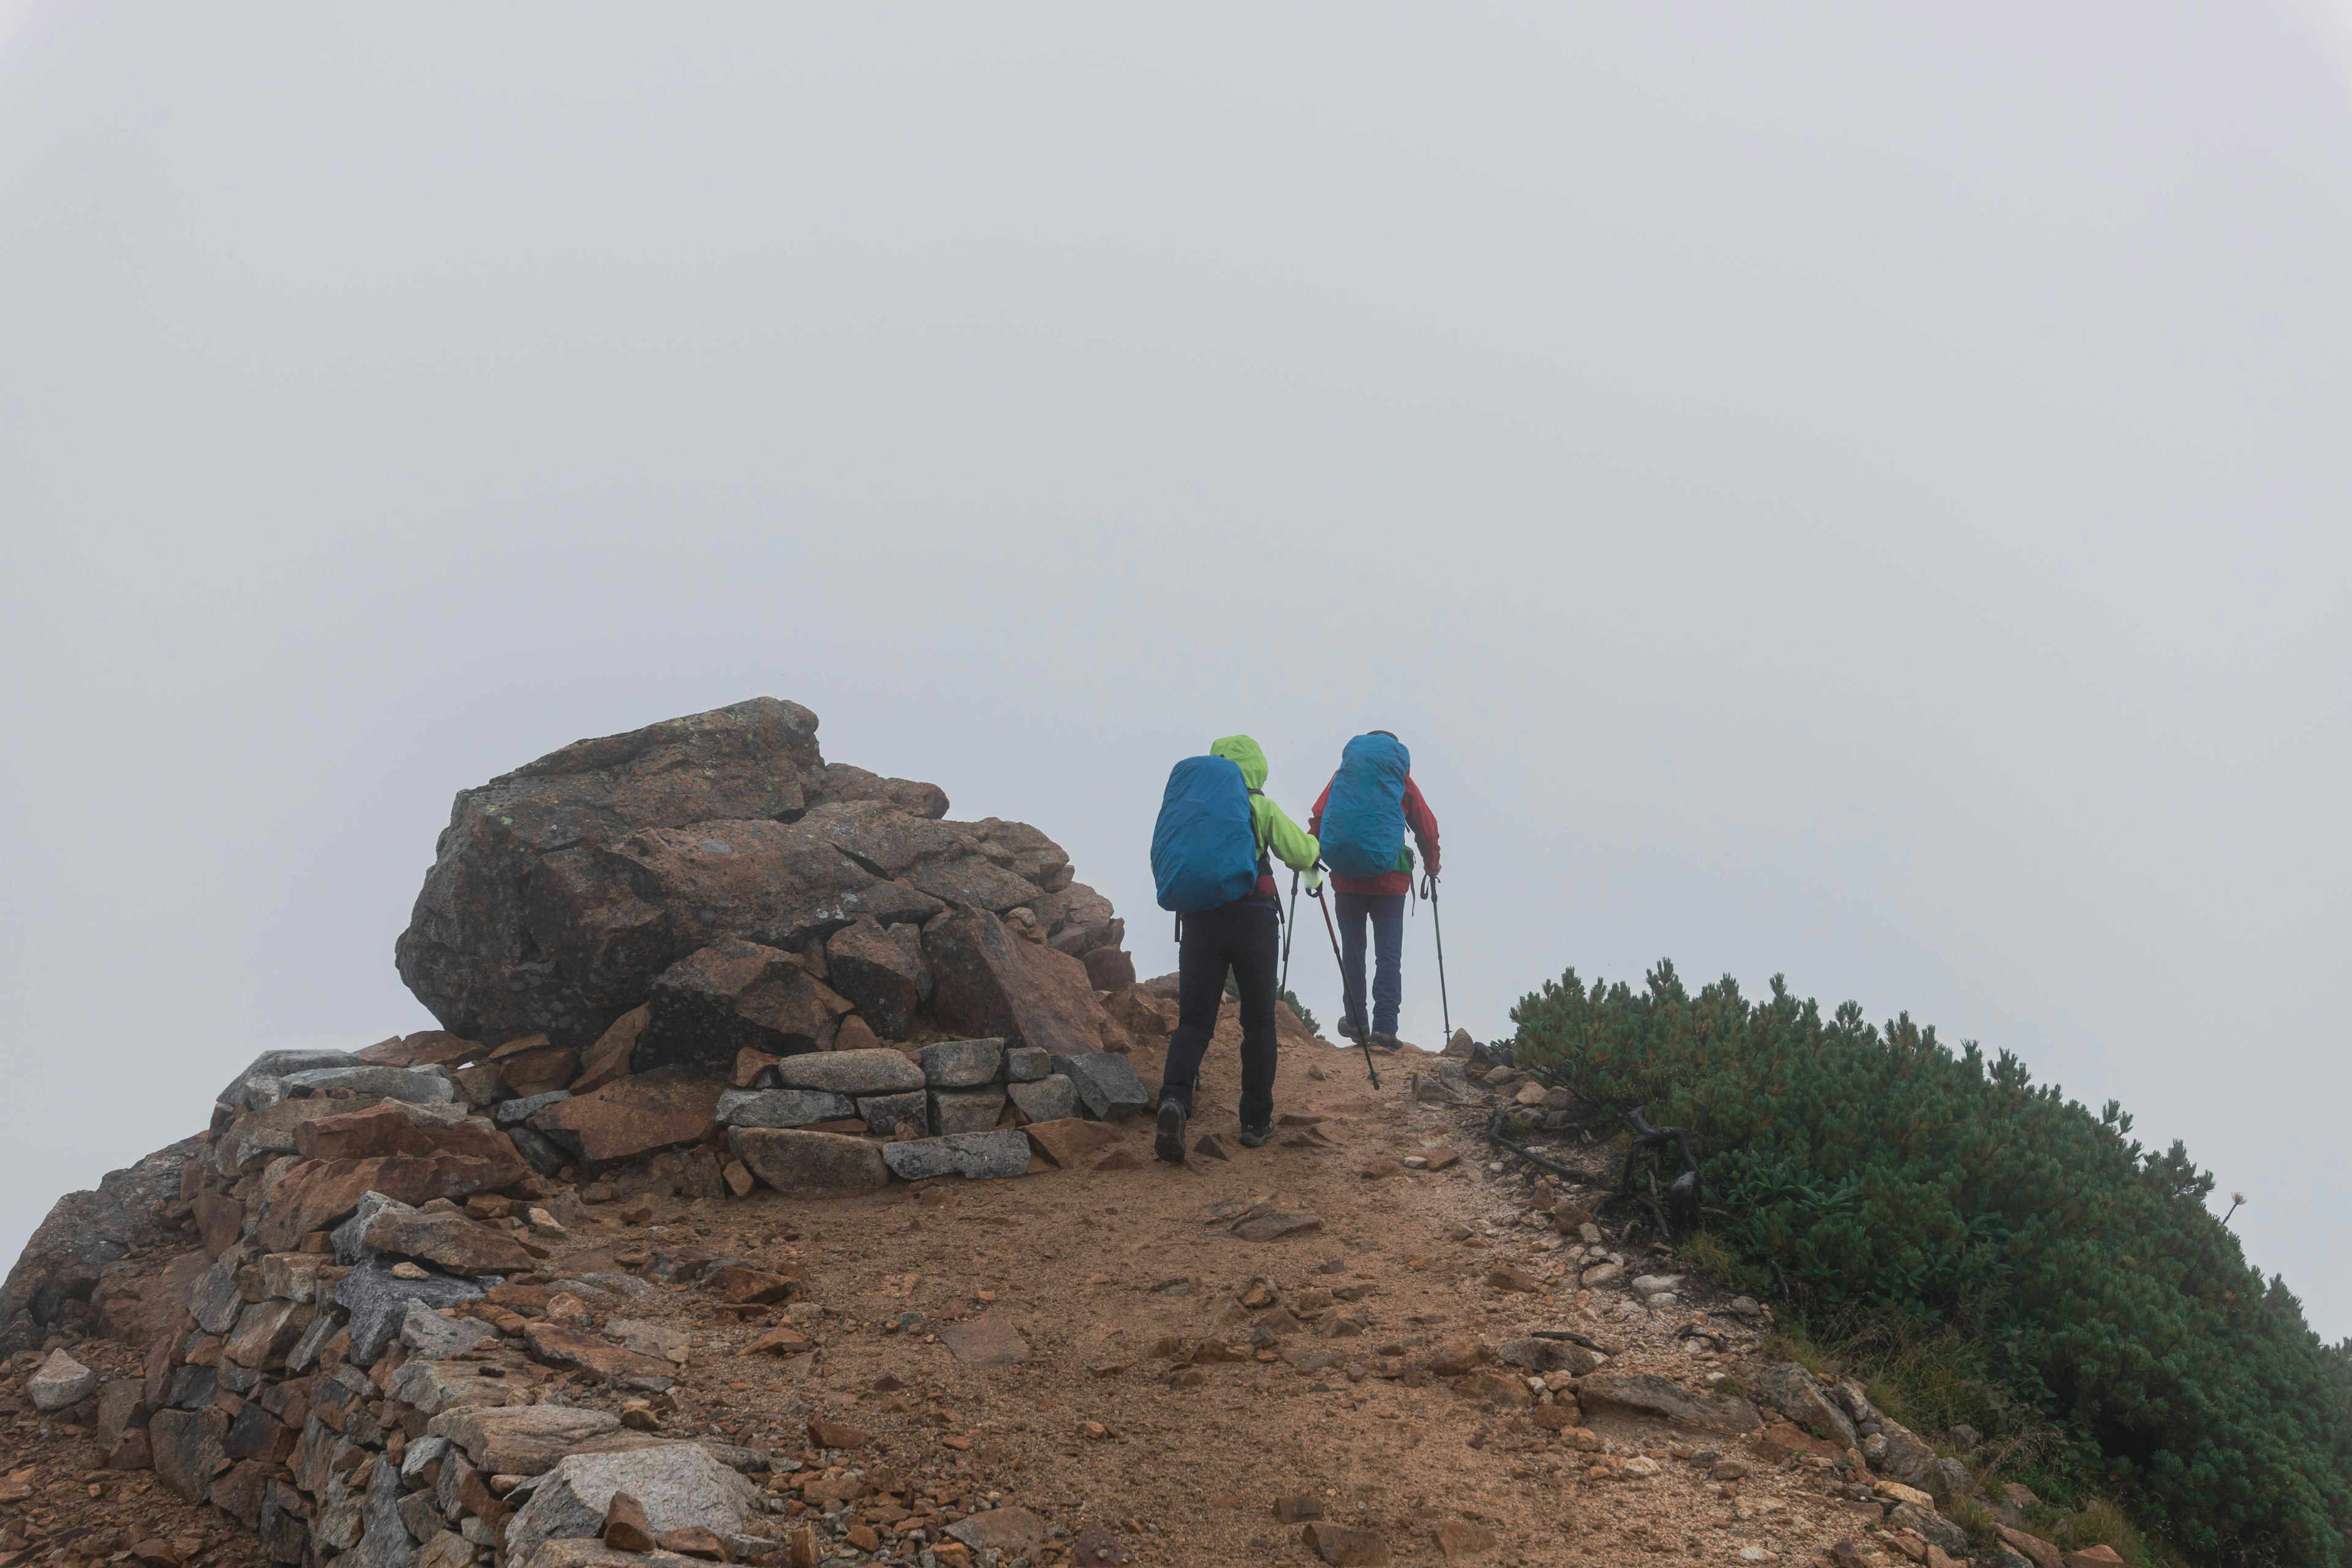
1108	1276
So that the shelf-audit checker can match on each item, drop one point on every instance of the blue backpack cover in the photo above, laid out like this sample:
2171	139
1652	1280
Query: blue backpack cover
1363	822
1204	846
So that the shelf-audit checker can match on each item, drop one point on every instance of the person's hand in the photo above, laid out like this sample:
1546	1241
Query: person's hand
1313	881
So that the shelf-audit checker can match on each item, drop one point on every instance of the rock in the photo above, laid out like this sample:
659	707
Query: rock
877	1071
319	1195
637	1115
1069	1142
989	983
887	1114
1930	1526
429	1336
733	995
391	1127
1053	1098
1600	1274
987	1341
2035	1549
449	1242
262	1083
1494	1388
1459	1537
1297	1510
378	1300
1948	1480
679	1485
1511	1277
521	1439
625	1528
1276	1225
881	977
966	1109
515	1112
1646	1393
61	1383
84	1232
1010	1531
1458	1045
265	1332
188	1450
961	1064
976	1156
1344	1547
781	1107
1108	968
1108	1088
1547	1355
2099	1556
1792	1390
1027	1064
575	1349
840	783
1657	1284
390	1083
794	1160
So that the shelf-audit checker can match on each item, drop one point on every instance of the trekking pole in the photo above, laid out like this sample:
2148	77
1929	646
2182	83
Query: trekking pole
1348	997
1429	891
1289	928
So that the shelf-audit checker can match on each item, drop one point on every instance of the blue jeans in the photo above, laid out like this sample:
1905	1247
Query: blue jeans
1386	911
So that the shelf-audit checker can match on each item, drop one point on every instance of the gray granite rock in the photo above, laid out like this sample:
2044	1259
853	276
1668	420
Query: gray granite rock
678	1484
261	1083
1045	1100
878	1070
515	1112
977	1156
393	1083
1027	1064
1108	1088
781	1107
429	1336
350	1238
378	1302
886	1113
61	1382
961	1064
966	1109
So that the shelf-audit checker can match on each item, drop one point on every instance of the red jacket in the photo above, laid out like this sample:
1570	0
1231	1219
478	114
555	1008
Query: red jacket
1417	816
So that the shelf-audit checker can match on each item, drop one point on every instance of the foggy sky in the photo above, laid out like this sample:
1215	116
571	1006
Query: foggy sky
1849	492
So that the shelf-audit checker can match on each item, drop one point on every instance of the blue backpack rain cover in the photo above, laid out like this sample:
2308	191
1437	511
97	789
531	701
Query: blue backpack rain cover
1363	822
1204	847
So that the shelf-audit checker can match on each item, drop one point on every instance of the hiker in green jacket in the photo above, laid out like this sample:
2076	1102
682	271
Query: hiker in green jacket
1247	937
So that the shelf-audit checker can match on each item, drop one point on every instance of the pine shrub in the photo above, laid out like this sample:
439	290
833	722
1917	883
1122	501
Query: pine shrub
1881	1172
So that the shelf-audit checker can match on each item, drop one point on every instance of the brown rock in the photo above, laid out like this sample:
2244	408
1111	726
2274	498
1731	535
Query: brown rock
386	1130
738	1178
626	1529
1108	968
803	1551
802	1160
1455	1357
989	1339
1208	1146
188	1451
1004	1531
989	984
732	995
220	1220
2099	1556
131	1451
637	1115
265	1331
452	1242
319	1195
2042	1554
608	1060
1380	1166
155	1553
1276	1225
782	1340
751	1065
753	1287
537	1070
1297	1510
1069	1139
571	1350
1120	1160
426	1048
827	1434
1496	1388
694	1541
1508	1277
1441	1158
1459	1537
1096	1547
1345	1548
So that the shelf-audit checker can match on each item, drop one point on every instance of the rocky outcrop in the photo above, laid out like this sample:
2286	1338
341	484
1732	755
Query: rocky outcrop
561	893
62	1265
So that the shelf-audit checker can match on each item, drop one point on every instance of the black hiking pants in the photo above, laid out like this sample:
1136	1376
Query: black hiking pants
1247	937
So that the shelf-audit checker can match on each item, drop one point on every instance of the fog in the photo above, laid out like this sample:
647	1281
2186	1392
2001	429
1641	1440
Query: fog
1848	491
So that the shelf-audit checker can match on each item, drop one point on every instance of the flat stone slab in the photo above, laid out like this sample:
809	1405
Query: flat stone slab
1066	1142
377	1301
989	1339
976	1156
1646	1393
515	1112
1276	1225
1045	1100
781	1107
679	1485
1108	1088
636	1115
966	1109
391	1083
876	1070
795	1160
961	1064
262	1082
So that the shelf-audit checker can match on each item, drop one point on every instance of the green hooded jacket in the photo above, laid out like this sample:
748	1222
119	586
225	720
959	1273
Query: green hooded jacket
1292	845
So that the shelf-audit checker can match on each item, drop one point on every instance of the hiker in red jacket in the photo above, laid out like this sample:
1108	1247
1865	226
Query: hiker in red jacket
1380	900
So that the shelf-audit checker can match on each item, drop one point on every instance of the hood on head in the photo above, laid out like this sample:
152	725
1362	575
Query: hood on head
1243	750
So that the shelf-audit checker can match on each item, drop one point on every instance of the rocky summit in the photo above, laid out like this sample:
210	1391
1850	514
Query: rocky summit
774	1192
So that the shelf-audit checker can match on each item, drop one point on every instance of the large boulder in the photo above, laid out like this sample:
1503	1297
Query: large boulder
881	974
992	982
559	891
679	1485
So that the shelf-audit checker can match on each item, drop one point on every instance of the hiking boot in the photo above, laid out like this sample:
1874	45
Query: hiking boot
1251	1137
1169	1143
1387	1041
1346	1028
